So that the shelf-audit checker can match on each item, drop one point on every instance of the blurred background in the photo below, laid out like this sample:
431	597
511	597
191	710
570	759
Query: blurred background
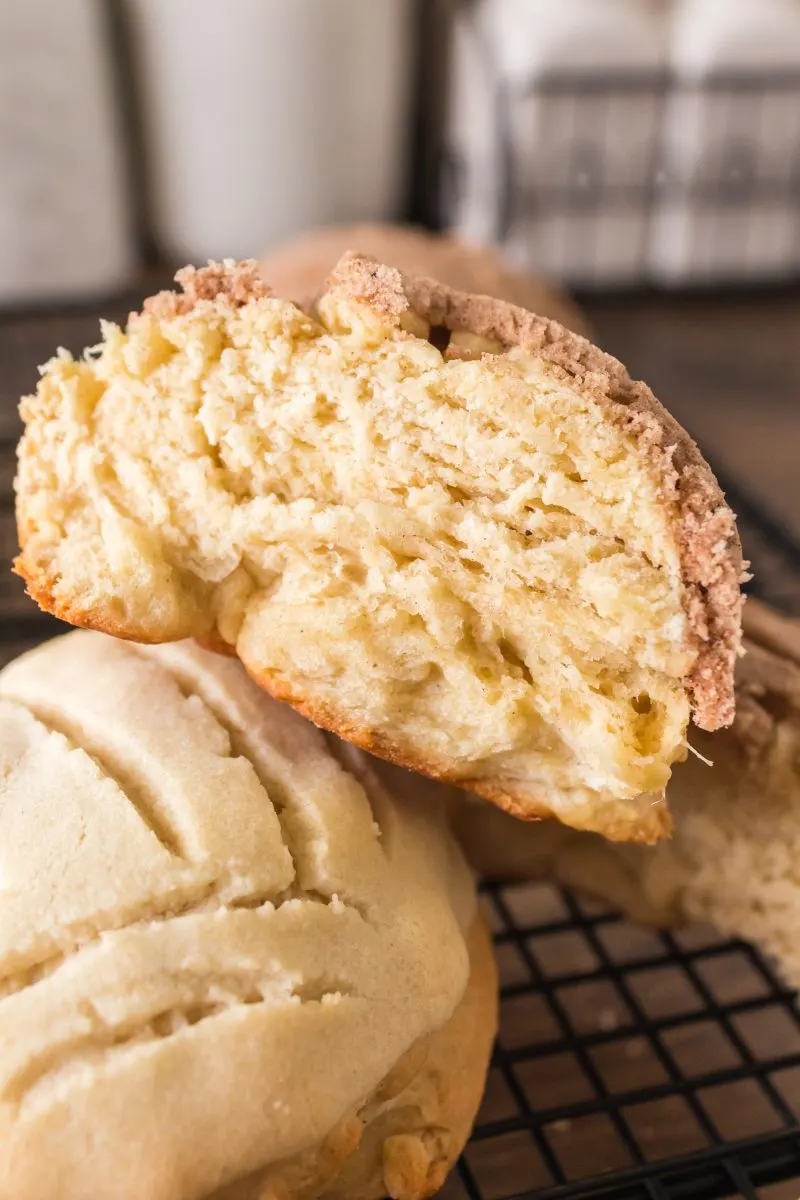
602	143
644	154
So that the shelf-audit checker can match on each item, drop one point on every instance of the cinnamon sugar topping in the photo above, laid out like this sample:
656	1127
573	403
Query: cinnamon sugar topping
372	283
236	282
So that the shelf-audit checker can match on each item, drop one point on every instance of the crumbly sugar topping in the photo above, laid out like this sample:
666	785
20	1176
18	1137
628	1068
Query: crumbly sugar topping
235	282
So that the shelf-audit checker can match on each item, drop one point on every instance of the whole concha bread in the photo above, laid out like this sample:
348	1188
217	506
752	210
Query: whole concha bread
299	268
234	961
445	528
732	858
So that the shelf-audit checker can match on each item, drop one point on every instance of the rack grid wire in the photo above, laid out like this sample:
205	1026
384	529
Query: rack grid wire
631	1063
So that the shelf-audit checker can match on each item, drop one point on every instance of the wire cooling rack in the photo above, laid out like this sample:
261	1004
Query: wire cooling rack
630	1064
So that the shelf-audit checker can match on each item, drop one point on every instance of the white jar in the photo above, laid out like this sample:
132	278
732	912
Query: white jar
726	208
65	230
264	117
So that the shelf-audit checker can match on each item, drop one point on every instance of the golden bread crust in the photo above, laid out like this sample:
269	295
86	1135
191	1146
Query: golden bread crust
41	588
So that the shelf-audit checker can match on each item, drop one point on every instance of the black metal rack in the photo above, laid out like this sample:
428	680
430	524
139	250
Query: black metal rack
631	1064
626	1160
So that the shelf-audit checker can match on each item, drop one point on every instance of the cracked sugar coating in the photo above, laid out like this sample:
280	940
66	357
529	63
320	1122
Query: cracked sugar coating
732	859
232	960
447	529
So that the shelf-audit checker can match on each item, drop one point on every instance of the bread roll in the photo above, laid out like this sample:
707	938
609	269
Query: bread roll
233	962
299	268
448	530
732	858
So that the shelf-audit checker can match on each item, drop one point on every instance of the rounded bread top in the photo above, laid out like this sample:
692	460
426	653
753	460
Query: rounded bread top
218	930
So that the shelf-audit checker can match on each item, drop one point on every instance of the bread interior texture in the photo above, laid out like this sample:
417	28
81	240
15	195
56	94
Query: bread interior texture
452	556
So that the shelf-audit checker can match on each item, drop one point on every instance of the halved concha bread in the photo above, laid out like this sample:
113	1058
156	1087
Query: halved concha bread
449	530
235	961
732	858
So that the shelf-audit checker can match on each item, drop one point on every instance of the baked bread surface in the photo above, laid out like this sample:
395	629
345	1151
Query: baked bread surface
732	858
449	530
231	958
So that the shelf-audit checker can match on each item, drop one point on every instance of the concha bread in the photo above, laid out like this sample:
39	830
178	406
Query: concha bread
732	858
447	529
299	268
232	961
